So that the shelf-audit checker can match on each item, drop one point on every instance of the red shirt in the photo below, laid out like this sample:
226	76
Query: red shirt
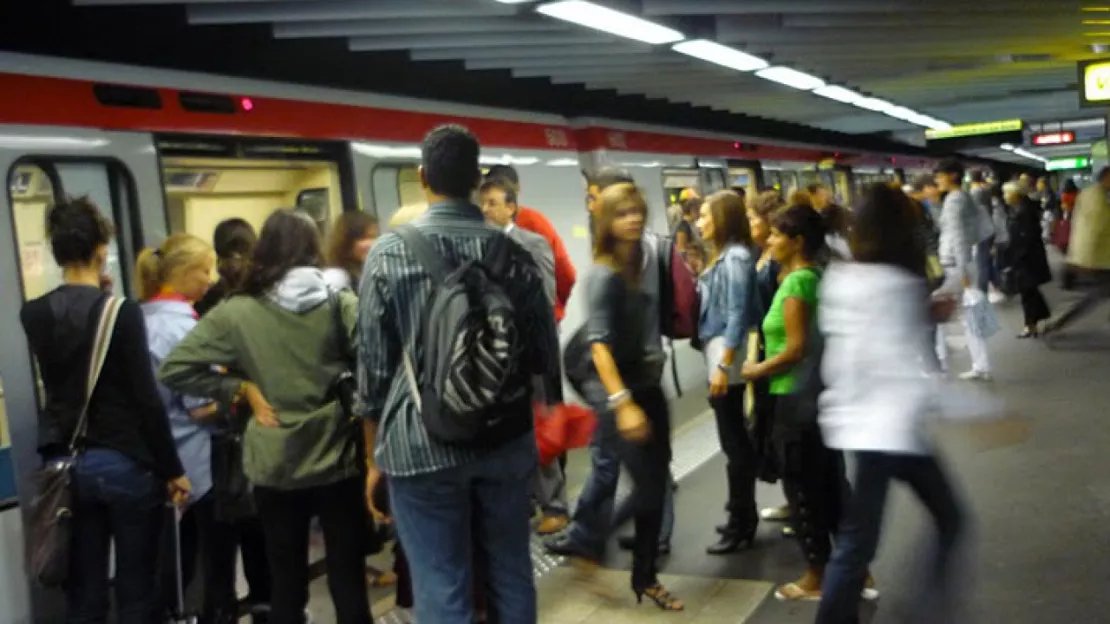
565	275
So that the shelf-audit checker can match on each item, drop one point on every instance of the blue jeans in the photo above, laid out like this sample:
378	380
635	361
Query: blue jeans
593	513
441	516
120	502
857	539
626	509
985	273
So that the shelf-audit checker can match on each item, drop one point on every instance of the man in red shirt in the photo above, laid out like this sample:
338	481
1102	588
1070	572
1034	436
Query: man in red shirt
534	221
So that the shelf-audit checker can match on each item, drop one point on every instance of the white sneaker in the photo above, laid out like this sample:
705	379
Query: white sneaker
996	297
973	375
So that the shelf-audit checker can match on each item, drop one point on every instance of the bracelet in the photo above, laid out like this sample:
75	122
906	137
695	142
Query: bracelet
616	399
724	368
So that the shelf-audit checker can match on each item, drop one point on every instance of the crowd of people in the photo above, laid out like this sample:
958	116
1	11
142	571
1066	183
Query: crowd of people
397	379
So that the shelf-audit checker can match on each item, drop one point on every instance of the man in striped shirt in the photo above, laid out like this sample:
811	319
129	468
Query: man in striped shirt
445	495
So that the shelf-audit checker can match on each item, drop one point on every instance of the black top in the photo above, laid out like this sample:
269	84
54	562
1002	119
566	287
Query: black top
766	284
217	293
126	412
617	317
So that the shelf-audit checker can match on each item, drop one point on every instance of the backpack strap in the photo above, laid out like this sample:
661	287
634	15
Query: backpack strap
426	254
104	327
342	341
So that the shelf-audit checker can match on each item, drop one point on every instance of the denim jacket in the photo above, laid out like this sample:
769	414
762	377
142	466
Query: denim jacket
726	291
167	322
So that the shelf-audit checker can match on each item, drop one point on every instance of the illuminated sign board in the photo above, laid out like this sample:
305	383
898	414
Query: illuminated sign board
1094	81
990	127
1054	138
1063	164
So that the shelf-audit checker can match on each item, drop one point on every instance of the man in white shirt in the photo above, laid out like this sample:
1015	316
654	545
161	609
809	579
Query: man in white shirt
499	205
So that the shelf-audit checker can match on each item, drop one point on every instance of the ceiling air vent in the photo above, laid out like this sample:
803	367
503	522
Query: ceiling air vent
127	97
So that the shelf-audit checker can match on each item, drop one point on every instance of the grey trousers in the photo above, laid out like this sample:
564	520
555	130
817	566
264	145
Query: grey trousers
550	489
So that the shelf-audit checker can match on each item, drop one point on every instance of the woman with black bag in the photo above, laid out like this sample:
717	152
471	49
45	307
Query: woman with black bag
278	340
1027	266
236	527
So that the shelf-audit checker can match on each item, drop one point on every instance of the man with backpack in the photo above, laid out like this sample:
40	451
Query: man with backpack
453	326
592	520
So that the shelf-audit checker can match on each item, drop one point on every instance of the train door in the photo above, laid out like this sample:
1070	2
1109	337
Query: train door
42	165
208	180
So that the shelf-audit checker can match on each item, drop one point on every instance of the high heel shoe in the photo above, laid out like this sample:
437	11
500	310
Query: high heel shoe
661	597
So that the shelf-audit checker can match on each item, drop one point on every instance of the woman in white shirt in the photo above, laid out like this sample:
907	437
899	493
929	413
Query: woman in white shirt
874	313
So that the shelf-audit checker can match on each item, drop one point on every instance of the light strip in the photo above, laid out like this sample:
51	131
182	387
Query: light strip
838	93
901	112
722	55
791	78
613	22
1008	147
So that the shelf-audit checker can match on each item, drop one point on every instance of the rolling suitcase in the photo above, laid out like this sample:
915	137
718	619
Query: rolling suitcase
179	615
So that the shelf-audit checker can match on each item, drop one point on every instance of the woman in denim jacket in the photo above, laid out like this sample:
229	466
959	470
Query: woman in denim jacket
726	292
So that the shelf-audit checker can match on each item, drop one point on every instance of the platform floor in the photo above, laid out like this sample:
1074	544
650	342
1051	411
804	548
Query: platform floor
1040	510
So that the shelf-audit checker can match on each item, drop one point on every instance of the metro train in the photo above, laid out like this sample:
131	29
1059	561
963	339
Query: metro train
164	151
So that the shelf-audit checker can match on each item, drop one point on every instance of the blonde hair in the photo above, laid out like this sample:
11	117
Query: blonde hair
156	264
625	263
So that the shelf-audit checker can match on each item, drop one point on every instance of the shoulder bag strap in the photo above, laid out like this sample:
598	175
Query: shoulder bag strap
425	252
104	328
341	339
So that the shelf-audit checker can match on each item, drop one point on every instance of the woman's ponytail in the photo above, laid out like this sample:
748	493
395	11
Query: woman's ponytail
149	272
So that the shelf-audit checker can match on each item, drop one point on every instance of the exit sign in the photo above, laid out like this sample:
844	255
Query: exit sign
1054	138
1064	164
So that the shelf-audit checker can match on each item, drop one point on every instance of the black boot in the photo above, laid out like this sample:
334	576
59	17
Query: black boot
732	540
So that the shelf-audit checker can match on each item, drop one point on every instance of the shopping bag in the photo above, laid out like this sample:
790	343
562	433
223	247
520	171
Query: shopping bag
561	428
978	314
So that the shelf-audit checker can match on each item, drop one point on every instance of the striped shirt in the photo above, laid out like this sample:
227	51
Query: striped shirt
392	296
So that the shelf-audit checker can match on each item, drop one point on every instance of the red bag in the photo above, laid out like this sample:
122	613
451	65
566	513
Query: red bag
1061	234
561	428
678	292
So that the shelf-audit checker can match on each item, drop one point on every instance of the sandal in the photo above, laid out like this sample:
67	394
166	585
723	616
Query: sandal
661	597
793	591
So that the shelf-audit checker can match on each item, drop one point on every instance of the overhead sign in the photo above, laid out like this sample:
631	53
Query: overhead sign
1054	138
990	127
1094	80
1063	164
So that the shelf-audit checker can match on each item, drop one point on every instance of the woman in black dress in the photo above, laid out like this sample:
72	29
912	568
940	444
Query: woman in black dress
1027	258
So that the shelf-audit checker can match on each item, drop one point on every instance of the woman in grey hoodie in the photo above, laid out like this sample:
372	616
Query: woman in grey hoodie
281	344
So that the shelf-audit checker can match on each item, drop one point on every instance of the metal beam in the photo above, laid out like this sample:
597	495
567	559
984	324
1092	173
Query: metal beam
596	51
604	73
787	7
1028	21
369	44
255	12
161	2
560	64
411	27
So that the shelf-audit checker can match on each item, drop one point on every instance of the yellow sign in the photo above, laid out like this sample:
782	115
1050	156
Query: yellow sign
1096	82
990	127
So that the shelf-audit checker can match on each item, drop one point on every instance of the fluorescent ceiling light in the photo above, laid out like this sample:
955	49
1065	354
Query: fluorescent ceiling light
613	22
721	55
791	78
901	112
873	104
839	93
513	1
1007	146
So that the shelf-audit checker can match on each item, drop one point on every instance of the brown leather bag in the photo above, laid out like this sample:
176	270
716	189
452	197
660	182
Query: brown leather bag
50	528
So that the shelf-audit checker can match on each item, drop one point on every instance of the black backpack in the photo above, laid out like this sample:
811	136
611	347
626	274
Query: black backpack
472	345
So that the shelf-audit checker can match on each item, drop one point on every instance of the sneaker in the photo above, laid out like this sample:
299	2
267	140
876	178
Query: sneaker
973	375
996	297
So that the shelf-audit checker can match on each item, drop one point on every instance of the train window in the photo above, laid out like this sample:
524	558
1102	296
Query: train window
36	185
396	186
202	192
677	180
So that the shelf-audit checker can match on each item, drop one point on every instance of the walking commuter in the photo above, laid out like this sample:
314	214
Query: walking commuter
983	251
287	345
1089	249
236	532
592	522
171	278
630	374
457	483
1026	258
813	475
127	466
726	292
876	401
349	241
960	233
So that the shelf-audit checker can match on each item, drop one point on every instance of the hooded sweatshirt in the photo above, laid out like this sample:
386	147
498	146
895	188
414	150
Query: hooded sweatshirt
286	342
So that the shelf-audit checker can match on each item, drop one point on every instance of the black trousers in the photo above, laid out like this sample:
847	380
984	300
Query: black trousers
648	464
858	537
816	486
244	537
286	516
741	460
1033	306
761	430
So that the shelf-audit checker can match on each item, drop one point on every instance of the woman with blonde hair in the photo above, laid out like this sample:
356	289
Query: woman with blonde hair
637	408
726	291
172	278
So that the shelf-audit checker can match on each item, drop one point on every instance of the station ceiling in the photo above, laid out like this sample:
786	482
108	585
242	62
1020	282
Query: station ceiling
950	60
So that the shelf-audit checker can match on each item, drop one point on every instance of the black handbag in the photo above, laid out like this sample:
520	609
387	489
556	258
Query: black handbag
51	523
233	494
